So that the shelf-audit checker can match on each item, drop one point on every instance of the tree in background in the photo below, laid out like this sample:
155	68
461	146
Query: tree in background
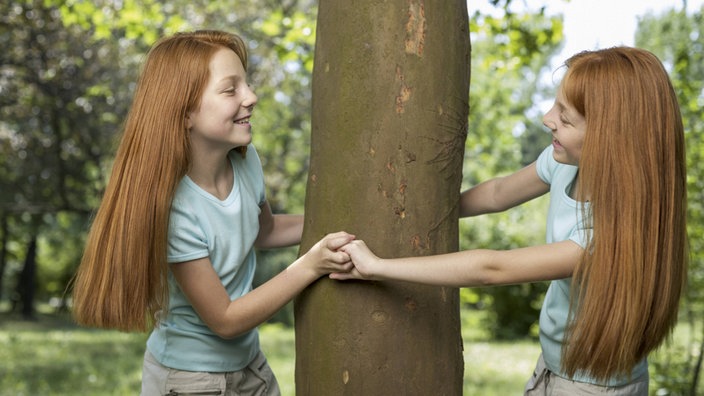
390	89
60	104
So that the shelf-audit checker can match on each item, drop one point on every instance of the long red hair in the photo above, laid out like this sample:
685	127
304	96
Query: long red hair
627	288
121	282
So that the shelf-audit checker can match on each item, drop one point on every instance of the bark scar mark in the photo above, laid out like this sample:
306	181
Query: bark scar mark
404	94
411	304
418	244
415	28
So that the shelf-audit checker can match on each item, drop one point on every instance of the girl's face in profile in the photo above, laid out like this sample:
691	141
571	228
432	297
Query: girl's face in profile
568	128
222	120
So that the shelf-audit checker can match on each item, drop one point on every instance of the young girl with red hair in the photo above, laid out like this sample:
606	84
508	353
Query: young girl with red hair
171	247
616	248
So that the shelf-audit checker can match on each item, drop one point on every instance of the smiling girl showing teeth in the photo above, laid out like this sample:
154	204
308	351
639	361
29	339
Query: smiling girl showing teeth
172	243
615	249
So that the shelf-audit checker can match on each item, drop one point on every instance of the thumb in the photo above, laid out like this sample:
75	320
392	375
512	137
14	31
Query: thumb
338	240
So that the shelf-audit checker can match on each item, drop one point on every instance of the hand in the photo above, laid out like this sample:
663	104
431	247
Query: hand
364	261
326	257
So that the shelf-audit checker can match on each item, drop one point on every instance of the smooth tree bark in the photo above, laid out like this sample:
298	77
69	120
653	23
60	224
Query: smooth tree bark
389	123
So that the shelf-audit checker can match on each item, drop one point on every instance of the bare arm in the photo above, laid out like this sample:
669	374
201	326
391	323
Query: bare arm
481	267
278	230
503	193
230	318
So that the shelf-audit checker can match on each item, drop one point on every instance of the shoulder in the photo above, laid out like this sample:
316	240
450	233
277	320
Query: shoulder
545	164
549	169
184	204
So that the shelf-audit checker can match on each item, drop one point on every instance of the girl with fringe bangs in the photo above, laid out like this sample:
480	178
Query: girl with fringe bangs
171	248
616	248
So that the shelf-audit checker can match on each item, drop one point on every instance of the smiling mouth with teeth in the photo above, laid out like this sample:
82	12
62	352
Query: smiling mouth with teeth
242	121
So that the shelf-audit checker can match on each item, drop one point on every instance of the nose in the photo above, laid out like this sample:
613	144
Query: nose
548	124
549	121
250	98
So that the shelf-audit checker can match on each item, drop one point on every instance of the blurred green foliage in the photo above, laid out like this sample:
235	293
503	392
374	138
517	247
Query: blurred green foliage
68	69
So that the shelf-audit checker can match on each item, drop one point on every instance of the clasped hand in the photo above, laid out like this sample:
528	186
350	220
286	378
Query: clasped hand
363	261
341	256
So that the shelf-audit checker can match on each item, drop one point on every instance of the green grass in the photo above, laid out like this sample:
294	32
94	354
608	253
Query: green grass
492	368
51	356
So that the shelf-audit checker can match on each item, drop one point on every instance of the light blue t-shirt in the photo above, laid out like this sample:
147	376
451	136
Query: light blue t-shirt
565	222
201	225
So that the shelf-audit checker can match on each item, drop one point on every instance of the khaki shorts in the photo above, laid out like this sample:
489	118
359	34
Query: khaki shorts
257	379
546	383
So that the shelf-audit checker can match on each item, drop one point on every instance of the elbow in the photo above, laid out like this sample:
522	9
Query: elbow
488	278
228	332
264	237
262	241
490	271
225	334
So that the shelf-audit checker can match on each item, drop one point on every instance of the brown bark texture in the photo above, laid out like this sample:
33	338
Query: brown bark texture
389	123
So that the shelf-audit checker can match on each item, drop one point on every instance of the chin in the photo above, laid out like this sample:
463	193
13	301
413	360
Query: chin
243	141
563	160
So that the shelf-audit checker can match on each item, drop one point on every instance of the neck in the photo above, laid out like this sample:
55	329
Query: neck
212	174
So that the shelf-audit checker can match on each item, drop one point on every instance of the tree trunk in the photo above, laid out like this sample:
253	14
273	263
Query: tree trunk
4	238
390	107
26	283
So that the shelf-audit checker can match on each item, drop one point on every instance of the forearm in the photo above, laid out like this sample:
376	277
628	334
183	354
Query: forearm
257	306
230	318
282	231
482	267
461	269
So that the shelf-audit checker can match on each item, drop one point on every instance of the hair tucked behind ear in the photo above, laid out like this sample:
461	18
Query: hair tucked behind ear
121	281
632	168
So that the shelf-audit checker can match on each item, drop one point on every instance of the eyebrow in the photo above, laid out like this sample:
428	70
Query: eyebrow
233	78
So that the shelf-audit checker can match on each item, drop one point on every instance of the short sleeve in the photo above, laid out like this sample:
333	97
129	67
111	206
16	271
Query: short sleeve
186	240
546	165
580	234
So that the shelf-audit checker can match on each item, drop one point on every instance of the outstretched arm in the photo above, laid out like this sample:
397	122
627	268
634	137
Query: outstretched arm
230	318
481	267
503	193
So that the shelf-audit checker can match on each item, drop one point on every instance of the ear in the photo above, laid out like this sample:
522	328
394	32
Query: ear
189	123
